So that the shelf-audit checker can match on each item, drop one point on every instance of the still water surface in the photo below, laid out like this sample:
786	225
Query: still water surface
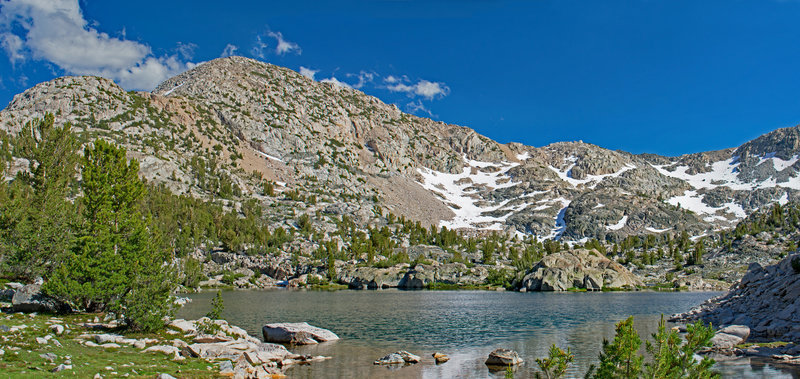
466	325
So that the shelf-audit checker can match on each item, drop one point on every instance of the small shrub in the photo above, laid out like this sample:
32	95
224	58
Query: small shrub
555	365
796	265
217	306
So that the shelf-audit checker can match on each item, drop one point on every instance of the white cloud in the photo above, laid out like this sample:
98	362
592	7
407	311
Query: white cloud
229	50
417	107
422	88
259	49
56	31
284	46
364	77
186	50
335	81
307	72
391	79
13	46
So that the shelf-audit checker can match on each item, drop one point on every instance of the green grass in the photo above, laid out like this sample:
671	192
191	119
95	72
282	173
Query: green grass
22	360
762	344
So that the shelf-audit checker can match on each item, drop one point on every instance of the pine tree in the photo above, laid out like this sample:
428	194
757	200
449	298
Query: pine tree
116	263
37	218
620	358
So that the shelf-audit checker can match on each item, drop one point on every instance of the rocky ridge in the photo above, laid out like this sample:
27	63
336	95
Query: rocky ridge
245	121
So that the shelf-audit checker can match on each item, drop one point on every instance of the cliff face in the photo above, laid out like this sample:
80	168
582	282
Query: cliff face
223	128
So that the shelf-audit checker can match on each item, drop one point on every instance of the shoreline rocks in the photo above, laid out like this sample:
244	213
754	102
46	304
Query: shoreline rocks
729	336
440	358
766	300
299	333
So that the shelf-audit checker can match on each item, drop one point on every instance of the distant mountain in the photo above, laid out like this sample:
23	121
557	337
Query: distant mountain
222	129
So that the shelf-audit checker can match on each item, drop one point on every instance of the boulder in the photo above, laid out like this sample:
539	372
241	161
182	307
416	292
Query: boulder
286	332
581	268
105	338
391	359
30	299
184	326
371	277
503	357
164	349
440	358
729	336
399	357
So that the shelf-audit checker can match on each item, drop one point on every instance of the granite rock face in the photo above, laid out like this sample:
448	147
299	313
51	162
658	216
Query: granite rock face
580	269
766	301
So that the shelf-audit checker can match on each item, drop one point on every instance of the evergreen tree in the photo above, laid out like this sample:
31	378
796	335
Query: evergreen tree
620	358
37	219
116	263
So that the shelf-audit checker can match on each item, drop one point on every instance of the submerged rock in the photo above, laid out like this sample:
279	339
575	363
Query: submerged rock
503	357
440	358
300	333
400	357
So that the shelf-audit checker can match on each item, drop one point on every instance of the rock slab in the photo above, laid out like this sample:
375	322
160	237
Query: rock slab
300	333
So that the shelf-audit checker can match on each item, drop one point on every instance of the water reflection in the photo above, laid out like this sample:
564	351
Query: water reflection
466	325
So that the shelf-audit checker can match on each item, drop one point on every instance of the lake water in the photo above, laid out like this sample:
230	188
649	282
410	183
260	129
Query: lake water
466	325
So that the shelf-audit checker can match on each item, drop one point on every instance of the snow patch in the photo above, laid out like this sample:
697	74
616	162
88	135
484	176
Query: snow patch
173	89
654	230
619	225
274	158
469	208
524	156
777	163
566	175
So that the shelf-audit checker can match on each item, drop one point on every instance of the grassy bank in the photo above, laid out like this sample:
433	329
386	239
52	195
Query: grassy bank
23	358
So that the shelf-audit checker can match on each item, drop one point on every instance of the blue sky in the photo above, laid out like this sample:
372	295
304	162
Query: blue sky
667	77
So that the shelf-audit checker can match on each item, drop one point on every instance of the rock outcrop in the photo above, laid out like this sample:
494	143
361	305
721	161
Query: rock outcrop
299	333
580	269
766	300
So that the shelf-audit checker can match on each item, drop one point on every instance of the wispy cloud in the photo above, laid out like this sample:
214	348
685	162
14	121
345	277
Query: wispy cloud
424	88
259	49
364	78
419	91
336	82
417	107
56	31
307	72
284	46
229	50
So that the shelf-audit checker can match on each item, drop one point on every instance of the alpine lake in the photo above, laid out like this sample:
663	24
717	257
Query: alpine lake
465	325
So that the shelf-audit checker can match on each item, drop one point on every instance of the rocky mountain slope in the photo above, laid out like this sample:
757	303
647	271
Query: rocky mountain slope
234	129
